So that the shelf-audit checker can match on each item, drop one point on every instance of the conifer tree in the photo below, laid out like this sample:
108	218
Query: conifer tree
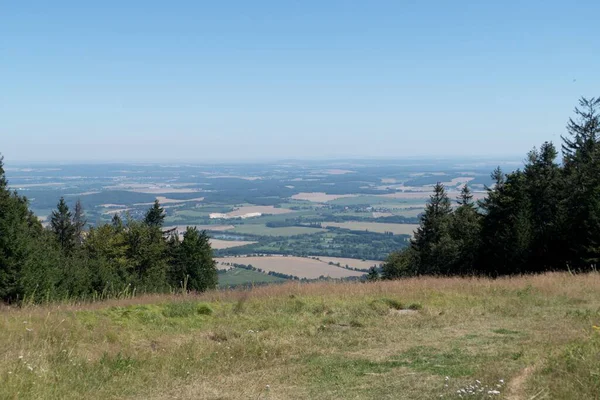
155	216
466	231
432	241
581	159
79	222
62	227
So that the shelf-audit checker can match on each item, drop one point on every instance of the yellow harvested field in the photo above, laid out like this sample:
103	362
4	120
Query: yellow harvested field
296	266
351	262
398	229
320	197
227	244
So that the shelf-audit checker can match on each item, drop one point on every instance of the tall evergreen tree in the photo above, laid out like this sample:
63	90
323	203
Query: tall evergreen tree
465	231
581	159
79	222
62	226
543	186
506	227
26	259
432	241
155	216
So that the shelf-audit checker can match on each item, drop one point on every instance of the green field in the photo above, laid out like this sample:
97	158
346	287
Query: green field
240	276
398	229
259	229
428	338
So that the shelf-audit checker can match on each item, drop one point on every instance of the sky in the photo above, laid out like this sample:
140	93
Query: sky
257	80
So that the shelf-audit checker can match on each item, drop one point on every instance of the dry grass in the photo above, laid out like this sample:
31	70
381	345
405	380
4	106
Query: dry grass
314	341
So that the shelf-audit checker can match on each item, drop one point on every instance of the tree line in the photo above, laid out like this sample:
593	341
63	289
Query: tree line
120	258
543	217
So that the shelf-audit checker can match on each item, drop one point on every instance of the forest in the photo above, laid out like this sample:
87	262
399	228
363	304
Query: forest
543	217
65	261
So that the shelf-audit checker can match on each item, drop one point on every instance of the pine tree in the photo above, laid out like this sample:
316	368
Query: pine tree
432	242
3	182
506	226
117	222
466	231
62	226
155	216
27	262
581	159
543	186
79	222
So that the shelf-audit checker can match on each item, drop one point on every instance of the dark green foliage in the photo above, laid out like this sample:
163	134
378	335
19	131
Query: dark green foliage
372	275
79	222
545	217
193	263
62	226
433	245
155	216
110	260
581	159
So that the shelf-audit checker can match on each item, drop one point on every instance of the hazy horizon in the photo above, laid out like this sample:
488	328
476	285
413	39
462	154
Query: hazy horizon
193	82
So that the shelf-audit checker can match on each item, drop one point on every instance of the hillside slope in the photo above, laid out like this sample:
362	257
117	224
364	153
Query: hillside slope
413	339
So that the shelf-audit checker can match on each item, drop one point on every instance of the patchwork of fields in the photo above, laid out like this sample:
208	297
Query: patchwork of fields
348	210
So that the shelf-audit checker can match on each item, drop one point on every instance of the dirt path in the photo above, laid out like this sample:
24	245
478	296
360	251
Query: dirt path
516	386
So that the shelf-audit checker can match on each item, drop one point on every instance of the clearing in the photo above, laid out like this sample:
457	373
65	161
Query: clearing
425	338
301	267
381	227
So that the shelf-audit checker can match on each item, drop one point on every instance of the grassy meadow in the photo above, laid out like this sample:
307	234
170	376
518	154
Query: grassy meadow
512	338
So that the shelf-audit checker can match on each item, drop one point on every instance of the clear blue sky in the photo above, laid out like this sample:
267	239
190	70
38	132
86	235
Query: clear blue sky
205	80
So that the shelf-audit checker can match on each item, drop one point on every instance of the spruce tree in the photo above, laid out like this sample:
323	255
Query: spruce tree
155	216
466	231
432	241
581	159
79	222
62	226
543	186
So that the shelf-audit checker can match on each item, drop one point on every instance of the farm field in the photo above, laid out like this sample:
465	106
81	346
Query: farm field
245	210
240	276
351	262
301	267
398	229
260	229
424	338
227	244
320	197
214	228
